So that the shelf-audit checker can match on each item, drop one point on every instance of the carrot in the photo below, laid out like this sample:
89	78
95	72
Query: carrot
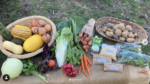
82	66
89	61
79	70
86	64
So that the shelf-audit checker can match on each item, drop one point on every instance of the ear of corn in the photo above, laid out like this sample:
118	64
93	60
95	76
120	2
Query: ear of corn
21	32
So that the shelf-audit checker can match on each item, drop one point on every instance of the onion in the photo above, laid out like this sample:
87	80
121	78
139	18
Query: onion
81	34
34	24
48	27
85	35
42	23
30	25
83	42
87	39
34	29
46	38
41	31
89	43
84	47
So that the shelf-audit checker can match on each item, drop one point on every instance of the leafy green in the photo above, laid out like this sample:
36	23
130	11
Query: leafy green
74	55
73	49
63	39
132	58
77	25
61	25
31	69
146	49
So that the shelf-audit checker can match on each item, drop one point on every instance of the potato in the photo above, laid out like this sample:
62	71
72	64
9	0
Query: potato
131	35
116	27
135	34
111	30
122	39
16	49
126	31
124	34
108	29
130	40
105	28
118	32
129	28
109	34
115	37
121	26
110	25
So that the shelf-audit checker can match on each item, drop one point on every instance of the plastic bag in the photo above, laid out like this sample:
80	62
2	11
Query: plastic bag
113	46
130	46
132	58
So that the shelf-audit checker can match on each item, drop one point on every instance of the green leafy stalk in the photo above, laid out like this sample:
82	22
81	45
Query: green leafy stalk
31	69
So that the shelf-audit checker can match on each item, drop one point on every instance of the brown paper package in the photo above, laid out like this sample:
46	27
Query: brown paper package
113	67
100	59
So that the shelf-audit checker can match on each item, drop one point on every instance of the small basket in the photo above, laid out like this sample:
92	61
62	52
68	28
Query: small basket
24	22
138	29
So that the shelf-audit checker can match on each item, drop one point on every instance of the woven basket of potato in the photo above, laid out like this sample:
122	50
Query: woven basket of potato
20	29
120	30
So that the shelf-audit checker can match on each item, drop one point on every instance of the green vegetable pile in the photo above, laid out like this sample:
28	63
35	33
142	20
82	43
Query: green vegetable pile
67	44
132	58
31	69
130	46
146	49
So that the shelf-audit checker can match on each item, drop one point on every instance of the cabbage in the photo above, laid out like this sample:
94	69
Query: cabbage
12	67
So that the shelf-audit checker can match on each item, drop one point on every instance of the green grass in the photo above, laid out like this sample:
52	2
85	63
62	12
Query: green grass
9	11
85	8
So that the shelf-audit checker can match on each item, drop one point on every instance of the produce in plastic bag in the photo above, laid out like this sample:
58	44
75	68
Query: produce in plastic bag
132	58
130	46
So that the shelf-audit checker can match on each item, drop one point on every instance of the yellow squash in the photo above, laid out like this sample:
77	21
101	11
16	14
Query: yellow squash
21	32
33	43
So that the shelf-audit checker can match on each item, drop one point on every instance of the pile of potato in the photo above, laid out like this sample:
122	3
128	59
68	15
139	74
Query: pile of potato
120	32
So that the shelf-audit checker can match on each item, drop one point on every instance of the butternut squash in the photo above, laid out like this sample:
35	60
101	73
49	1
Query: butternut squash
16	49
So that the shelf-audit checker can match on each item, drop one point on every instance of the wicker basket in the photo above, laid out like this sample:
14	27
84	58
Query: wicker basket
138	29
24	22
